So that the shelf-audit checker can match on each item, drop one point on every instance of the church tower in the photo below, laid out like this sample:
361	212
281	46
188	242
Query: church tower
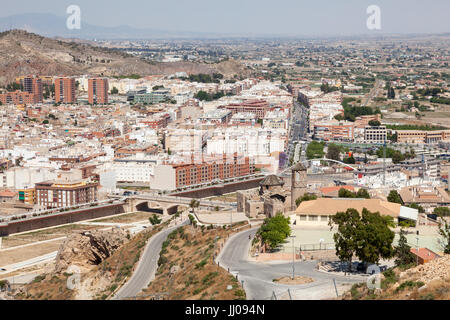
298	183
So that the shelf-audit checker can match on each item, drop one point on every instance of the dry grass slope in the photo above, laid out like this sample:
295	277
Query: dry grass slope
186	269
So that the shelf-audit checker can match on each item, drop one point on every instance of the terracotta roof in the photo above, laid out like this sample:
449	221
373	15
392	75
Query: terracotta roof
330	206
7	193
272	180
424	253
326	190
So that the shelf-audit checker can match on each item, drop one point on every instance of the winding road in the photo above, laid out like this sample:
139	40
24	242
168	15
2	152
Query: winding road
147	265
258	276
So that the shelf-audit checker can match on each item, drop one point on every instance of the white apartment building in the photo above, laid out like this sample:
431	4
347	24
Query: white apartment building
185	140
277	119
26	177
137	168
246	141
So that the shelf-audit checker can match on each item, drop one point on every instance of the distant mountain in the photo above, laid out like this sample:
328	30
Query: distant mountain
50	25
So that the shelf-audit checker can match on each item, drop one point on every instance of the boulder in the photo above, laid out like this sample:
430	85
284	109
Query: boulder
87	249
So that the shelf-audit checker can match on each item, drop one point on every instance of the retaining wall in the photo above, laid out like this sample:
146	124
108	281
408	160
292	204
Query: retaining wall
59	218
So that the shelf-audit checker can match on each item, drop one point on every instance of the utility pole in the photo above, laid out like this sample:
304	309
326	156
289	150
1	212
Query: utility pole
293	258
384	162
417	256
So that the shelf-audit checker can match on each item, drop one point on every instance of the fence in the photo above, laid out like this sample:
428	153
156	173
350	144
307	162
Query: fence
308	247
329	289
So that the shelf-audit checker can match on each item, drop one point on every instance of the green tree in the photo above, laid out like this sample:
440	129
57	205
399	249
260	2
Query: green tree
442	211
274	231
394	196
306	197
315	150
349	160
203	96
403	251
362	193
374	237
154	220
418	207
333	152
114	90
374	123
397	157
194	204
345	238
345	193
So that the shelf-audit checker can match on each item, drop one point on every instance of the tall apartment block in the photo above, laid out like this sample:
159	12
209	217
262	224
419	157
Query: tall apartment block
65	90
33	85
98	91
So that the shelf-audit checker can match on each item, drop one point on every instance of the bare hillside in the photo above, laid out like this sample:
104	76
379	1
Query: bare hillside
24	53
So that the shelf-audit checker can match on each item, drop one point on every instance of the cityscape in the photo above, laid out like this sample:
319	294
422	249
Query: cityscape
140	164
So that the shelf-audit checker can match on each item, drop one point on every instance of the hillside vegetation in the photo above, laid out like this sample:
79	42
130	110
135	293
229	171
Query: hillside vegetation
186	270
430	281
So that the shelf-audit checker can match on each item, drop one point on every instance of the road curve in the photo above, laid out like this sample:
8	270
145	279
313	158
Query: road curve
147	265
258	276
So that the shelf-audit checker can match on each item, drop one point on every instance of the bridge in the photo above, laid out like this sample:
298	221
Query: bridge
167	205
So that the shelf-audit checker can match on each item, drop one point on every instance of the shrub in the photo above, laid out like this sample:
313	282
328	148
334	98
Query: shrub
354	290
201	264
239	293
409	284
389	278
207	279
428	296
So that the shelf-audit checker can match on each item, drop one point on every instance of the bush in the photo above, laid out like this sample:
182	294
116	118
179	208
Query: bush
207	279
162	260
409	284
201	264
154	220
389	278
428	296
354	290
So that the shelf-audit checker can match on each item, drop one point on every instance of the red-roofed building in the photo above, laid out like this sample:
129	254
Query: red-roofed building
7	196
333	192
425	255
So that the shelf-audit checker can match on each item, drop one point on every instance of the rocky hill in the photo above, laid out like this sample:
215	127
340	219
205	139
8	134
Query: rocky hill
87	249
430	281
24	53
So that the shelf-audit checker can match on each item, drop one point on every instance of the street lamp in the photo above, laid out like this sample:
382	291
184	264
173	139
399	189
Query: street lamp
417	257
293	257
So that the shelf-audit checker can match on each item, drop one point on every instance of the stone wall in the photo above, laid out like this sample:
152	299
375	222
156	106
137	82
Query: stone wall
60	218
219	189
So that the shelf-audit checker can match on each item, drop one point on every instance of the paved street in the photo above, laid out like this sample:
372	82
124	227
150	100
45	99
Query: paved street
258	277
147	265
298	127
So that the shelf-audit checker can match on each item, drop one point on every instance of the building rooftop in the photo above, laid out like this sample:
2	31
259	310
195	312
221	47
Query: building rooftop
272	180
330	206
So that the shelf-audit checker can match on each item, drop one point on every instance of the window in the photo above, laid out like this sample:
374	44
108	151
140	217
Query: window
324	218
312	218
302	217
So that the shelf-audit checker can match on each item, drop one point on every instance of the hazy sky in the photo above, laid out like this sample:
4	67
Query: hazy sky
251	17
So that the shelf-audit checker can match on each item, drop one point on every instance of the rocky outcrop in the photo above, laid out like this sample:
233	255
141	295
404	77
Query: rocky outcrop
88	248
434	270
